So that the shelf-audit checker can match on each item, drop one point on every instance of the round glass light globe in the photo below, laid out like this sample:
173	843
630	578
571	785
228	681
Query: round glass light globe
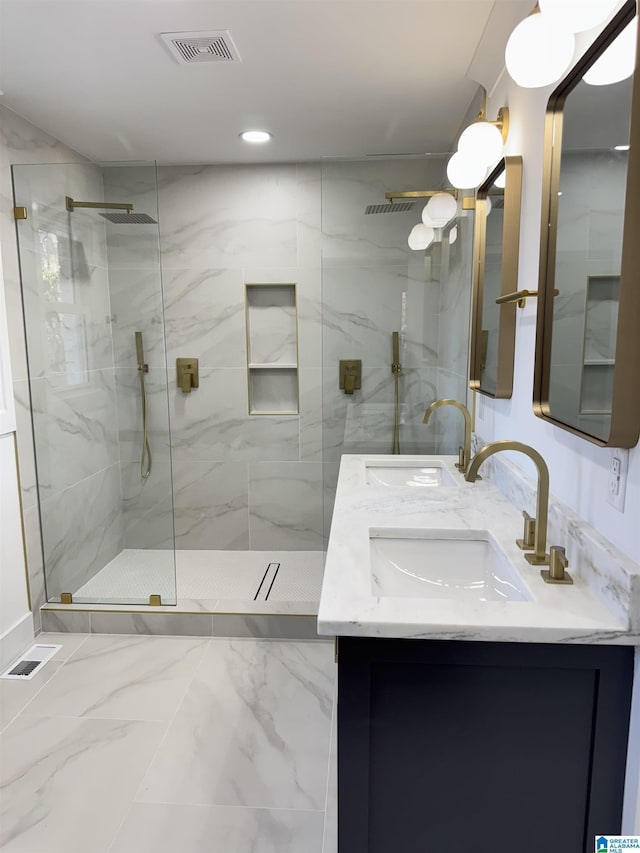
464	172
538	53
440	208
577	15
421	237
453	235
482	141
487	205
501	180
618	61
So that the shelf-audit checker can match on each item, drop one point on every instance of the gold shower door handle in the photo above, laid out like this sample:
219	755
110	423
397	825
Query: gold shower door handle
187	370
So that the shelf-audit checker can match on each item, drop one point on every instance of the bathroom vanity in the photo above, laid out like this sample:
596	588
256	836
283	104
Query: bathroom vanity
479	708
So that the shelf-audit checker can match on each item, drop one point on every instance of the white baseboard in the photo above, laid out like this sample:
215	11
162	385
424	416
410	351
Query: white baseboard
14	641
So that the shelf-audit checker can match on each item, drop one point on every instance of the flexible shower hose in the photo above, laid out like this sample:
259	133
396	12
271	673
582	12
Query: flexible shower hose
145	470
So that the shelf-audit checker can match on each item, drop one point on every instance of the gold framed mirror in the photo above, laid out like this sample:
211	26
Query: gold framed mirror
495	274
588	336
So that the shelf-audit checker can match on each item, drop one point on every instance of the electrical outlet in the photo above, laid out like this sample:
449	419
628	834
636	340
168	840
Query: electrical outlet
617	483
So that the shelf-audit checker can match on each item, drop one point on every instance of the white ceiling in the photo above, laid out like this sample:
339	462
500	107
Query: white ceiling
326	77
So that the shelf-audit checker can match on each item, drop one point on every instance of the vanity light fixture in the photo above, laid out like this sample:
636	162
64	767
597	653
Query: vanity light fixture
501	180
439	210
541	48
479	148
464	172
256	136
421	237
576	17
539	51
453	235
621	147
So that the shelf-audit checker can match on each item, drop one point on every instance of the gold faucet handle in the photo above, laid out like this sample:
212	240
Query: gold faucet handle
557	564
527	543
462	462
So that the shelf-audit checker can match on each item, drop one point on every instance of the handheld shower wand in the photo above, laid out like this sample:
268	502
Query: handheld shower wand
395	369
145	458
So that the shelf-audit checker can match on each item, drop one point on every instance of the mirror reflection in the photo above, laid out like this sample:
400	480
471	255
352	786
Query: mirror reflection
497	237
591	191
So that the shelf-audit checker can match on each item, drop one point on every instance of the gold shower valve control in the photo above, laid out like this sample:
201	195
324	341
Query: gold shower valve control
350	375
188	378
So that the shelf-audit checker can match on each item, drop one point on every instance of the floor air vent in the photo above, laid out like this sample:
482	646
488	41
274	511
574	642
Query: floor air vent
190	48
31	662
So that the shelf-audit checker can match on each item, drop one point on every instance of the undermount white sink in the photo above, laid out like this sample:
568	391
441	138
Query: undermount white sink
397	473
464	565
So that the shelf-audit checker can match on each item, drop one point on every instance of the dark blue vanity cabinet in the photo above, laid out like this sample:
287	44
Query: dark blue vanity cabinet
451	747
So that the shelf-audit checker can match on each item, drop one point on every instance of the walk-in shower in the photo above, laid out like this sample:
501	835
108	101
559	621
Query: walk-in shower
149	495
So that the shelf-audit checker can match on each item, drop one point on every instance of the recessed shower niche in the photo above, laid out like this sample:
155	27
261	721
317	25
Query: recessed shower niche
272	348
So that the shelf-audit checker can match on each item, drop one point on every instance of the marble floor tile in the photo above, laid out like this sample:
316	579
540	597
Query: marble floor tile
16	695
122	677
162	828
70	643
66	784
253	729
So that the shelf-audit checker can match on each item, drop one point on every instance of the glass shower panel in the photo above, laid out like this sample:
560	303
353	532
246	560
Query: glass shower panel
373	285
92	298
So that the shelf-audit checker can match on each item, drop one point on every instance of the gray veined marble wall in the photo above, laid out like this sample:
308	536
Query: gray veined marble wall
241	481
72	378
589	246
373	285
135	285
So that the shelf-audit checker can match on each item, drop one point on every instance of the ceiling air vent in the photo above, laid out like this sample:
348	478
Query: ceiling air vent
190	48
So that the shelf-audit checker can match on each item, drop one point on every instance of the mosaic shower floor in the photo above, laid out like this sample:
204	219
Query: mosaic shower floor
204	579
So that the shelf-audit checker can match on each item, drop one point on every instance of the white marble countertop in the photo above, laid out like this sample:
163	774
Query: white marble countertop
348	606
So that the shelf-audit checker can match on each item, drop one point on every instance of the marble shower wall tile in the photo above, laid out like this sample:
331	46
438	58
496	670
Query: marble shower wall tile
75	427
363	306
310	414
20	142
213	422
26	453
35	564
351	238
228	217
151	528
205	318
309	213
285	506
211	504
455	300
81	530
136	306
130	422
68	325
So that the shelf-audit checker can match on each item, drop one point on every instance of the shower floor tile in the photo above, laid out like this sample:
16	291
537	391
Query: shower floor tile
206	576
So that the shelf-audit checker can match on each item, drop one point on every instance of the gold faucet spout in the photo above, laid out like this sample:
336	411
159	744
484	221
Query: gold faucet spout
465	450
539	557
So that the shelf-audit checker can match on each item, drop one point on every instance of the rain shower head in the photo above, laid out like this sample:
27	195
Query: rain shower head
129	218
390	207
126	218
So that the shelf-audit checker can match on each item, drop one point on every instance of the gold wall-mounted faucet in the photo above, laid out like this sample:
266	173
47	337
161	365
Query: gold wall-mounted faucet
539	557
464	454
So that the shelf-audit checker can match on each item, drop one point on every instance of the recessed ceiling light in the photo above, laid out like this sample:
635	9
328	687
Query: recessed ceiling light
621	147
255	136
